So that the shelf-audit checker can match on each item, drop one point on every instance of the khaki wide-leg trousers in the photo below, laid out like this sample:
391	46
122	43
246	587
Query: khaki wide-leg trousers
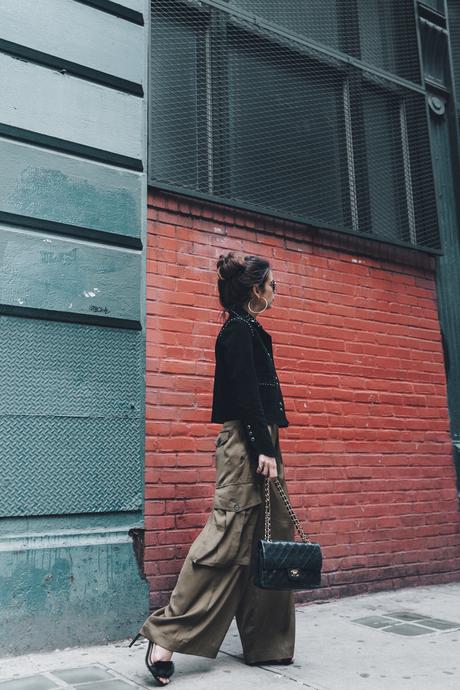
216	580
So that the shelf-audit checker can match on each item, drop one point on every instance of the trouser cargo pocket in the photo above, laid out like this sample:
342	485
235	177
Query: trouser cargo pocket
225	538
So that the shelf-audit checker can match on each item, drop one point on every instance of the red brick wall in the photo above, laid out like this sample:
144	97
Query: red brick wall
358	350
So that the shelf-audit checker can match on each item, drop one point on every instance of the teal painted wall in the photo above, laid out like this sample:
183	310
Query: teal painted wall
73	203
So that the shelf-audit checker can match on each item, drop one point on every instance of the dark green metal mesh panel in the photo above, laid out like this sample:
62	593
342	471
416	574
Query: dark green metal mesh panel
286	134
245	111
381	33
437	5
454	36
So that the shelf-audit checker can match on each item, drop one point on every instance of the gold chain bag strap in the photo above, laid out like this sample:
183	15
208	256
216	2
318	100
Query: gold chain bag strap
286	565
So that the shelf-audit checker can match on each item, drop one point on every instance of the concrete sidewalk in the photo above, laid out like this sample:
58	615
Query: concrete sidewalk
408	639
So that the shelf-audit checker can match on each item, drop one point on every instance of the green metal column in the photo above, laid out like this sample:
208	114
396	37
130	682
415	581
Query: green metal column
437	70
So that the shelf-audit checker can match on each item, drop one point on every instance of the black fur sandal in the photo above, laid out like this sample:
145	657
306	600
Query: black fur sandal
159	669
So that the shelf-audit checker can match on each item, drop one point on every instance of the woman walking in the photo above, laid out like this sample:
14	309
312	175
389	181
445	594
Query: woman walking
215	583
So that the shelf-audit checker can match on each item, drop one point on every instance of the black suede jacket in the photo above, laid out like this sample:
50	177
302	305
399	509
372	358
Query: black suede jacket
246	386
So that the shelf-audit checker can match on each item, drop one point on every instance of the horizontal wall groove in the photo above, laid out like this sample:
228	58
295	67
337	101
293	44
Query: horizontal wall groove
62	145
50	315
116	9
66	66
67	230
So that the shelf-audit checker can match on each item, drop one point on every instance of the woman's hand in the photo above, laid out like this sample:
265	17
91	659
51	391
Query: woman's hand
267	466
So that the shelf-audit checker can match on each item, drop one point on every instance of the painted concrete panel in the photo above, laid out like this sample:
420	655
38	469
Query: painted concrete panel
75	589
69	370
72	400
67	29
44	185
48	102
74	464
45	272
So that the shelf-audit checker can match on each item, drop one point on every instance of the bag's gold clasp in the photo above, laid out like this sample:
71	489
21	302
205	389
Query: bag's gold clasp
294	572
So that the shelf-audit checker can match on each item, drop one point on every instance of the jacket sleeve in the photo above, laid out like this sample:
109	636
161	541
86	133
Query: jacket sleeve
244	387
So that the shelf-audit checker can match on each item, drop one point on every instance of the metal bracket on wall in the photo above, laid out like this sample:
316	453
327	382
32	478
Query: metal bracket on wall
437	105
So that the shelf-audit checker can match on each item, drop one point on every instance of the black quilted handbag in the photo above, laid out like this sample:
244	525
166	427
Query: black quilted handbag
286	564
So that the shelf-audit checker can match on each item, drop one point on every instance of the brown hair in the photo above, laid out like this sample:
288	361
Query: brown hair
237	275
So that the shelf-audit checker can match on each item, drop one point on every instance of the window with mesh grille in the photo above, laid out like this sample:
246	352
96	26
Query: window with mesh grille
311	110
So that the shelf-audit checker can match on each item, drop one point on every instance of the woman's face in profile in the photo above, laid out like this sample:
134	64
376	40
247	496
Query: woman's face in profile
269	289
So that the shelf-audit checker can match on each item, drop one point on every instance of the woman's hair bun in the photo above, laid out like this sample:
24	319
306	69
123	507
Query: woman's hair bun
229	266
236	277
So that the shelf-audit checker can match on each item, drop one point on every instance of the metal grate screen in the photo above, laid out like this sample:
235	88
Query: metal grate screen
437	5
305	110
454	36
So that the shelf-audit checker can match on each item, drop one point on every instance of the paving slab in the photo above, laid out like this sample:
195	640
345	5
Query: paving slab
352	643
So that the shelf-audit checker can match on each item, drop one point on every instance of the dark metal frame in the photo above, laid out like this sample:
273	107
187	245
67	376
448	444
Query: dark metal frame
353	207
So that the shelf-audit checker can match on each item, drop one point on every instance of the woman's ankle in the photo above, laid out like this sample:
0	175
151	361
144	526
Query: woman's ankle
160	653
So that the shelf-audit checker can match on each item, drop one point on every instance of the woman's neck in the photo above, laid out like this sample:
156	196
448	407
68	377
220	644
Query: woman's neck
246	309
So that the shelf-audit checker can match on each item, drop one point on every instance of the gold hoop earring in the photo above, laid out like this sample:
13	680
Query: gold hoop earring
257	312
